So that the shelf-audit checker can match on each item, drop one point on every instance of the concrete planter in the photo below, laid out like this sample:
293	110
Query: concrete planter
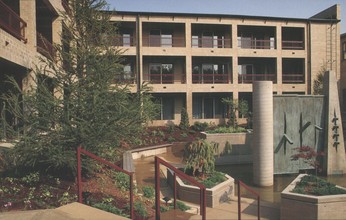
241	152
299	206
220	193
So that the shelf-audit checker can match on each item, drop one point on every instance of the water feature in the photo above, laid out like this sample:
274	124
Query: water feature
145	175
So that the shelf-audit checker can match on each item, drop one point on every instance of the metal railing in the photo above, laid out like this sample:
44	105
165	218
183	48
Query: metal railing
12	22
256	44
80	151
292	45
250	78
162	78
209	42
210	78
293	78
121	41
182	175
160	41
240	183
45	47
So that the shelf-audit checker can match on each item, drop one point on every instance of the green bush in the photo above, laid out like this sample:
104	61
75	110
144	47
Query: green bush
200	126
184	122
226	130
214	179
122	180
182	206
140	209
108	207
148	192
184	135
171	139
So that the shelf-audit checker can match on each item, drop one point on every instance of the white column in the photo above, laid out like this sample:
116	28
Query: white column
262	146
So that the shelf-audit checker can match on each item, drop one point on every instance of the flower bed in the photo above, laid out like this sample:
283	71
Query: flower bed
216	195
302	206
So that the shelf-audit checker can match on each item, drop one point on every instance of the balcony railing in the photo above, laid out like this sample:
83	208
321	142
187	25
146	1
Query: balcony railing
292	45
163	78
45	47
293	78
124	80
121	41
250	78
210	78
256	44
159	41
209	42
11	22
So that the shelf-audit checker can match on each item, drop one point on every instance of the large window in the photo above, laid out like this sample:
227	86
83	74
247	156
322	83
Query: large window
207	107
344	50
161	73
166	108
210	73
160	38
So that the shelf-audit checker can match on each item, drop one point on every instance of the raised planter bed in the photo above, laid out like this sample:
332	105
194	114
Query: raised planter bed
301	206
220	193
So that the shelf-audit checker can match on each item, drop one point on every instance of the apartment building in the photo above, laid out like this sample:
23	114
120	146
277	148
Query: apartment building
28	29
195	60
189	60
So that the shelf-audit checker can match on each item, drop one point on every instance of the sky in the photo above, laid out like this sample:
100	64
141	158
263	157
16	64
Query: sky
270	8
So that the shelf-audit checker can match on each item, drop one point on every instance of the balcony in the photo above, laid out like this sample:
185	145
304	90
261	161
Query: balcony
292	38
121	41
65	4
164	78
210	78
163	41
256	37
211	42
45	47
293	78
11	22
248	43
250	78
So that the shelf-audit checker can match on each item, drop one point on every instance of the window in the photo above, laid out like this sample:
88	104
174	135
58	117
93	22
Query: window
126	40
166	39
161	73
344	50
160	38
155	38
167	108
245	69
207	107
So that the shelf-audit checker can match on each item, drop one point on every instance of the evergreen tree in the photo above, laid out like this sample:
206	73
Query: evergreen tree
74	100
184	121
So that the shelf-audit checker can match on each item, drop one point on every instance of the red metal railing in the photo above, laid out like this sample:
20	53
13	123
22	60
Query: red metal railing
162	78
209	42
292	45
293	78
11	22
79	175
182	175
240	183
210	78
45	47
256	44
250	78
160	41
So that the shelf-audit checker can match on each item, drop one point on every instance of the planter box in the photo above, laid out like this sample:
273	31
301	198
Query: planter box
220	193
300	206
241	152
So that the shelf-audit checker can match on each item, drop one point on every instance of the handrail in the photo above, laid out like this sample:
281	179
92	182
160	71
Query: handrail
210	42
80	150
182	175
249	78
291	45
240	183
293	78
161	78
210	78
256	44
160	41
12	22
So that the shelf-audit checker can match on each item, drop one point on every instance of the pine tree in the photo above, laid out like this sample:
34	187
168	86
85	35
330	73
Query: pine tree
74	100
184	121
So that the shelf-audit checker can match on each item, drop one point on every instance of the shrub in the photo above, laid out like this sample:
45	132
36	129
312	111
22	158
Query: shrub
122	180
171	139
226	130
108	207
140	209
214	179
184	135
182	206
184	122
148	192
200	126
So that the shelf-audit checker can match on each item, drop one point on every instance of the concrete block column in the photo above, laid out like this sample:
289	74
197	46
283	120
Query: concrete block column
262	146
